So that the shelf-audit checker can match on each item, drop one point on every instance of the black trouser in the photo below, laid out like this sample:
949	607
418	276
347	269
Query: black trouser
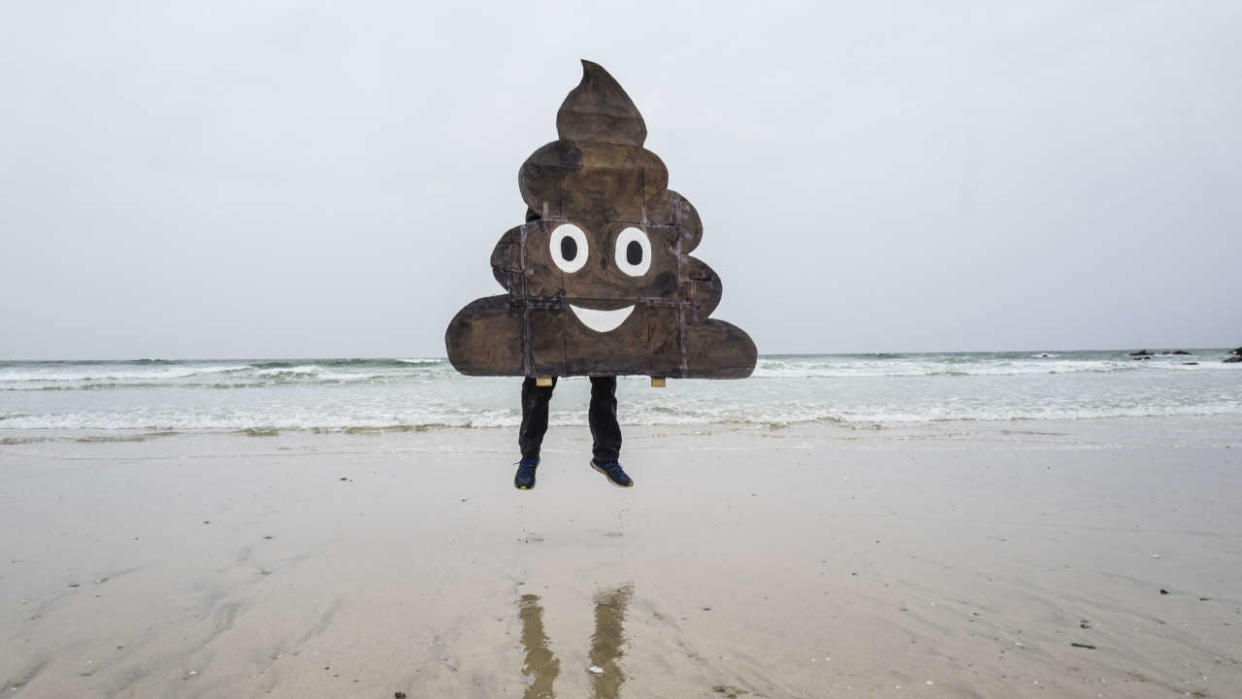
602	417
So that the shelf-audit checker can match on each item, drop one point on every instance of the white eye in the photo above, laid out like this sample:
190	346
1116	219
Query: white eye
633	252
569	247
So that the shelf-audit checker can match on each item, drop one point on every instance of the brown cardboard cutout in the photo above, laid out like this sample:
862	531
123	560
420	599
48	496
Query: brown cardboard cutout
600	279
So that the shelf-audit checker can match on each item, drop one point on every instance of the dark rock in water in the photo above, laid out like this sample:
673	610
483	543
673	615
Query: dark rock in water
1083	645
1234	359
1179	352
1190	363
1164	591
1237	352
1141	353
1142	358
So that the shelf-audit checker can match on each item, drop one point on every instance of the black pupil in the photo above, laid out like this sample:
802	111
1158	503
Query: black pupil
634	252
569	248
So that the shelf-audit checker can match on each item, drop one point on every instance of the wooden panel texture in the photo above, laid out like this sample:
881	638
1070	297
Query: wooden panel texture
600	279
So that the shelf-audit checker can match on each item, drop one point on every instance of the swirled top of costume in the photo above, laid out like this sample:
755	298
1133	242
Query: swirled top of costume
598	167
598	110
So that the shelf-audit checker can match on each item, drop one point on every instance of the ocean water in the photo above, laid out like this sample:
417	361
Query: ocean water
414	394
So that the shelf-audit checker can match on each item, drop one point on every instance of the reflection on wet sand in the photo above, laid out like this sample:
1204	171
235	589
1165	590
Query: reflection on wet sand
607	641
606	645
540	661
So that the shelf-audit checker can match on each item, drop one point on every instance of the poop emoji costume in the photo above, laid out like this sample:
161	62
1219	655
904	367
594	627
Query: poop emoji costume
599	278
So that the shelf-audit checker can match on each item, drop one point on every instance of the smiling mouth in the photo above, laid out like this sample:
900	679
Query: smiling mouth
602	321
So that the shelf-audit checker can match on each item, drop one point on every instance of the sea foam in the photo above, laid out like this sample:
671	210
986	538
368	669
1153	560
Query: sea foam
426	393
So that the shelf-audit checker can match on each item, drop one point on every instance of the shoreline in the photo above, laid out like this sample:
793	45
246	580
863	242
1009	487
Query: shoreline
959	559
1076	426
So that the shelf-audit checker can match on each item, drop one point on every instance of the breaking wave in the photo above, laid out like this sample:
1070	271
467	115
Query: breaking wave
415	394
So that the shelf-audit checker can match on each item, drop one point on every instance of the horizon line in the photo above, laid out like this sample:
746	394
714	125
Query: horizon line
762	355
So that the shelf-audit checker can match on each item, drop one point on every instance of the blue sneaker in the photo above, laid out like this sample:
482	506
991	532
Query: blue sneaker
525	477
612	470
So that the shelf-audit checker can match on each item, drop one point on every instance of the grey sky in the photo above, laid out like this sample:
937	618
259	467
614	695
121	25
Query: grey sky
328	179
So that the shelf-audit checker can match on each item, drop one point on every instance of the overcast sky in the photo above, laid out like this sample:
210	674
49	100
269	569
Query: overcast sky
309	179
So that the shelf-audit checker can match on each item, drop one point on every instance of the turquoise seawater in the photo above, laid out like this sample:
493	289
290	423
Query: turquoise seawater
340	394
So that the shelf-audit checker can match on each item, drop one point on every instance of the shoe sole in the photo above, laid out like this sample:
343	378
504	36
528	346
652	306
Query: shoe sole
605	473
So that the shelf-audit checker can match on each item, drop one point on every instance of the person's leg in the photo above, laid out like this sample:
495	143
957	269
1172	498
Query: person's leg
534	416
603	418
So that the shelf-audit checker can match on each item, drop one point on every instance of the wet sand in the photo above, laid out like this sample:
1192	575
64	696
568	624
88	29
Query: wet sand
1076	559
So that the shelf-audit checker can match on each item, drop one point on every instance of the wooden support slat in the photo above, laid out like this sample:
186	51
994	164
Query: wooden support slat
657	382
543	380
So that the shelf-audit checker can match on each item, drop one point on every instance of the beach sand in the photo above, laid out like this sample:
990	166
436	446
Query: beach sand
951	560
